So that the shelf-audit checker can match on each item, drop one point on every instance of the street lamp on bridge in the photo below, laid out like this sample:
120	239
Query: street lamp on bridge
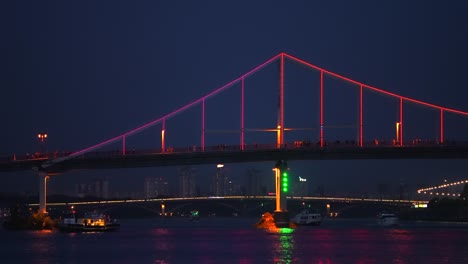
42	137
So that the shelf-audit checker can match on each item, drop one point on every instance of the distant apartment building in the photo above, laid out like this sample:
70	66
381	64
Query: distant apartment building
254	183
155	187
220	185
232	188
99	188
187	184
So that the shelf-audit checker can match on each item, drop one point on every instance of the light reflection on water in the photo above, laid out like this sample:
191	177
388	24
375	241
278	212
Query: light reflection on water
285	247
282	244
41	244
163	244
237	241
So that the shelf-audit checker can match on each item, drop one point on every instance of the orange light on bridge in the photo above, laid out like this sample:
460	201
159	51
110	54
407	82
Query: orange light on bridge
163	142
397	126
278	136
277	188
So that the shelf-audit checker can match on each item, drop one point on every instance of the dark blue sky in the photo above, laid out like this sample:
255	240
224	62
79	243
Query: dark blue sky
86	71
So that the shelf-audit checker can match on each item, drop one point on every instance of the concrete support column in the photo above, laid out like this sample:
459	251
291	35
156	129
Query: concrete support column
281	214
43	177
281	173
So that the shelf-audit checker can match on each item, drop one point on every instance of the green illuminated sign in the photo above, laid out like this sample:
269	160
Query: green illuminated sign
284	182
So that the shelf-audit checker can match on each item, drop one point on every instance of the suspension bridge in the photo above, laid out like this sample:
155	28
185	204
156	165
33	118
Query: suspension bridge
371	108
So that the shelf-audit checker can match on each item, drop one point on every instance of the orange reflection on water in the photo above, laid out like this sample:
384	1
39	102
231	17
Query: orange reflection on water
41	242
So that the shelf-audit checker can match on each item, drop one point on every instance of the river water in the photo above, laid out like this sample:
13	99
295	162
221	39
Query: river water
235	240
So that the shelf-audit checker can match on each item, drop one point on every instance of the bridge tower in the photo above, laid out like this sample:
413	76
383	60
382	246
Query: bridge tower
281	214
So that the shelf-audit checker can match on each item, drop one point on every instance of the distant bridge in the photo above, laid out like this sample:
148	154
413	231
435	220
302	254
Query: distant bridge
236	205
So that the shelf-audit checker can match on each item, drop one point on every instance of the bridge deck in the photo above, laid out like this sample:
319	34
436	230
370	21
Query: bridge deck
107	160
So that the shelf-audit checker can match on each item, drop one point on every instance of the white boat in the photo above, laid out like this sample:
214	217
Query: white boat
90	222
388	219
307	218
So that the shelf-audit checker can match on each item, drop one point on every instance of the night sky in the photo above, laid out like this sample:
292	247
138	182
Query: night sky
86	71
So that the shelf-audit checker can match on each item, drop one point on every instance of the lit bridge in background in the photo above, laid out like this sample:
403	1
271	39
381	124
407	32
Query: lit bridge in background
212	198
236	205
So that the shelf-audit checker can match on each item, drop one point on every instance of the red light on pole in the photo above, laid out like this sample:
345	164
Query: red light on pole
42	136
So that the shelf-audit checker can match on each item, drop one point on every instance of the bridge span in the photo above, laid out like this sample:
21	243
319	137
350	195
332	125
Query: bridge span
252	206
111	160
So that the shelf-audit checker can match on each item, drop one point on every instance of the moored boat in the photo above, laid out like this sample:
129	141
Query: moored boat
307	218
89	222
388	219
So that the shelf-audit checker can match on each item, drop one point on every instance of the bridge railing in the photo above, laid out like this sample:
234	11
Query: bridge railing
257	147
337	144
35	156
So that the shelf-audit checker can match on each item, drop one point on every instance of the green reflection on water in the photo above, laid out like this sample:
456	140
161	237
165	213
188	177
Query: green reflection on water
284	247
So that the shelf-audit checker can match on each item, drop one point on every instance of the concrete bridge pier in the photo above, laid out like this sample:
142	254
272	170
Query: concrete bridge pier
43	177
281	214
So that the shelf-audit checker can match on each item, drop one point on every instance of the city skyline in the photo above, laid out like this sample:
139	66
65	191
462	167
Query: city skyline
317	186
